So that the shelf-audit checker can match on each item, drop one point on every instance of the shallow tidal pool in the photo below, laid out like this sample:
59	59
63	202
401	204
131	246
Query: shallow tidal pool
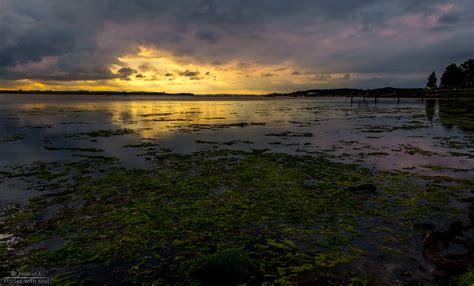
227	191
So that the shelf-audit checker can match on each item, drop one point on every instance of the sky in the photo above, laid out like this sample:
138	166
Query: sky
229	46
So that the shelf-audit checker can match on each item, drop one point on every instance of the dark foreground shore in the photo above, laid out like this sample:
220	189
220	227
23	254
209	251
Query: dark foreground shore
229	217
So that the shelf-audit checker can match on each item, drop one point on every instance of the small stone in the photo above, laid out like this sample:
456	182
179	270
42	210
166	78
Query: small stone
5	236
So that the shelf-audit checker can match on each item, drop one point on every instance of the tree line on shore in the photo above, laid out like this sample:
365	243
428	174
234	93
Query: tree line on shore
454	76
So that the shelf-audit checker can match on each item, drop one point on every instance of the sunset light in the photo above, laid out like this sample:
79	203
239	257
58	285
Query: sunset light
237	142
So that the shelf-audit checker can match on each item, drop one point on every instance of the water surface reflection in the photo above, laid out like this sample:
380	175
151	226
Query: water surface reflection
412	134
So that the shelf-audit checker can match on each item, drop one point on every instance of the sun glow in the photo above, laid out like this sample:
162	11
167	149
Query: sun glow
158	70
150	69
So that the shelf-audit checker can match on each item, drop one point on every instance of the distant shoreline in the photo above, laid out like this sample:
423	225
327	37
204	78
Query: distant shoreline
387	92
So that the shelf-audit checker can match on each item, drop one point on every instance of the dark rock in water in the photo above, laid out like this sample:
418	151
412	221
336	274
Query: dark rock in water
367	188
436	240
450	250
456	228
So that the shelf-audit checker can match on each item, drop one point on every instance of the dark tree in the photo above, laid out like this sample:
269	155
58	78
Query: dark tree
453	76
468	70
432	80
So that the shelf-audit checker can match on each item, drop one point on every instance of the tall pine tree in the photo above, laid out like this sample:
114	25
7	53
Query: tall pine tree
453	76
432	80
468	70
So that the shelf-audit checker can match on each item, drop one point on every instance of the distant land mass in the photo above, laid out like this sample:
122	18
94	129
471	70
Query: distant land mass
157	93
335	92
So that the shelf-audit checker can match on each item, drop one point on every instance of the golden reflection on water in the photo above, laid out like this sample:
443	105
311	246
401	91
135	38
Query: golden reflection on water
336	128
153	118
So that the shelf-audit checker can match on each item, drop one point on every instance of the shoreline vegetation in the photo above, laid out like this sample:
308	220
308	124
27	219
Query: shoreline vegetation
386	92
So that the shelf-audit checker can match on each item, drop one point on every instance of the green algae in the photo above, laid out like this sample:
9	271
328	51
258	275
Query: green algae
466	279
201	126
227	143
443	168
258	216
331	259
378	153
290	134
103	133
141	145
94	150
412	150
11	138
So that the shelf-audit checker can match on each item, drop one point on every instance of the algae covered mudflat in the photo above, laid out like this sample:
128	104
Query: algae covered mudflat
274	191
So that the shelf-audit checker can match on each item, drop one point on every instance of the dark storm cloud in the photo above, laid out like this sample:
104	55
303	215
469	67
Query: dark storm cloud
189	73
79	40
125	73
192	75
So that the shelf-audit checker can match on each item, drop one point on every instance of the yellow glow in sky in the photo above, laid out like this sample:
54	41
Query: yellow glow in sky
150	69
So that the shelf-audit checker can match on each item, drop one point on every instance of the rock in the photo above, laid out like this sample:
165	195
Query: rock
367	188
435	240
13	241
5	236
449	250
456	228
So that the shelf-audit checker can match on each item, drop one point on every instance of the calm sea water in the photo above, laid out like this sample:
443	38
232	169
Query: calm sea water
412	134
